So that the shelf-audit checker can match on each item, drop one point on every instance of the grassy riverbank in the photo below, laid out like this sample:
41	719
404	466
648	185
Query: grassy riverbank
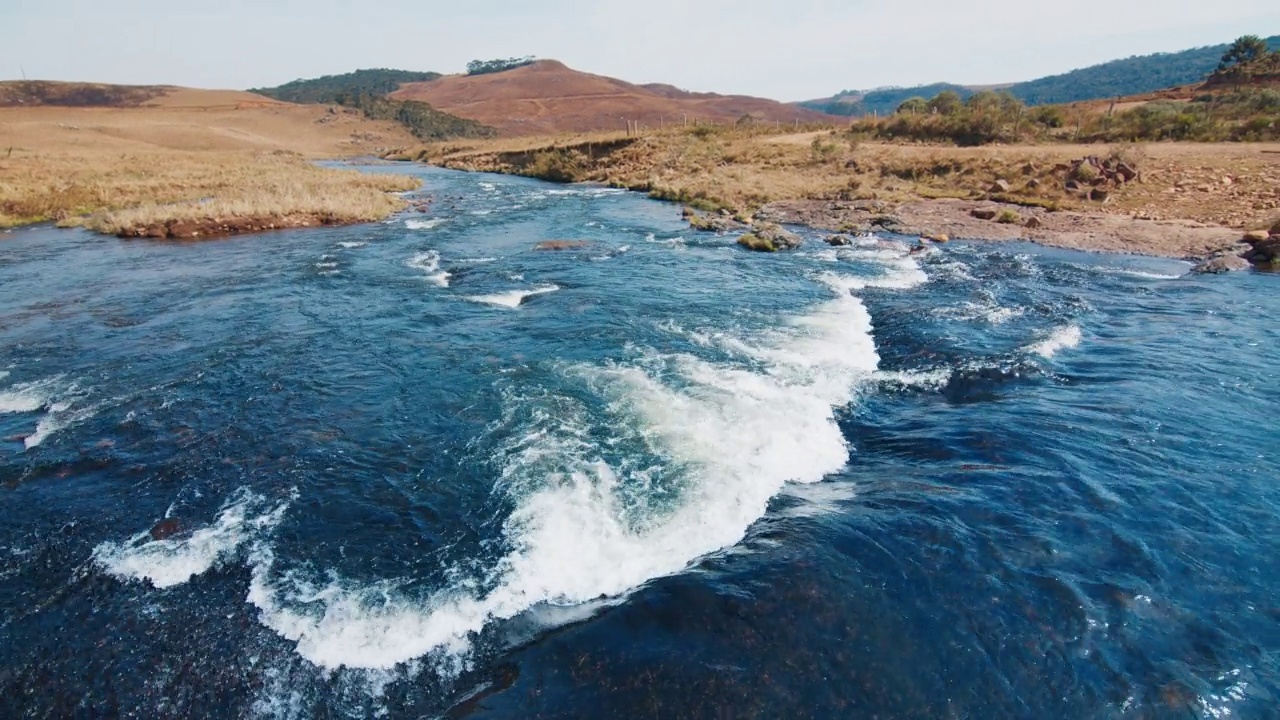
191	164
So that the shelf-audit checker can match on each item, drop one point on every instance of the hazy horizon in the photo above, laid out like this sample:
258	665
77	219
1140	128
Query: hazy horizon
787	51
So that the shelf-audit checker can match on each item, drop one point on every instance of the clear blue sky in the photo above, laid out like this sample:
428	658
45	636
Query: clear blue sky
788	50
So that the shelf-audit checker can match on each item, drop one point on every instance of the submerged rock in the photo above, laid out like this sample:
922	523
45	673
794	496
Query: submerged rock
561	244
166	528
1223	264
838	240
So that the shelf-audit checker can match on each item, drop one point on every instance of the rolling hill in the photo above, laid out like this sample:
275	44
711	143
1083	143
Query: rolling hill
52	118
367	91
1130	76
329	88
548	97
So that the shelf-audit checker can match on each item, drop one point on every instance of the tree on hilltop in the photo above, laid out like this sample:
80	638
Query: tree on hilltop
1244	50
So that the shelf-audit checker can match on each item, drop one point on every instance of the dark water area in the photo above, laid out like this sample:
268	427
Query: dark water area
420	469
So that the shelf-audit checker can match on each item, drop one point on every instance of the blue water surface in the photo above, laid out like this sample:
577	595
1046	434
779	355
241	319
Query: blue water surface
424	469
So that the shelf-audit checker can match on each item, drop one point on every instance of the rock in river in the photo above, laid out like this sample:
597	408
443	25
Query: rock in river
769	237
1223	264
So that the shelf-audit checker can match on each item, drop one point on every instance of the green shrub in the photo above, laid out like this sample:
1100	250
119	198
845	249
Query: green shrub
1009	217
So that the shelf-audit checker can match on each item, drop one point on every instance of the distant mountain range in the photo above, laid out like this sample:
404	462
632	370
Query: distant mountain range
1130	76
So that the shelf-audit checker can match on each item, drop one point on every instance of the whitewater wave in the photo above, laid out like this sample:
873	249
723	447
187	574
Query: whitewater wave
425	224
724	439
1140	273
61	400
28	397
429	263
353	245
900	273
925	379
988	311
514	298
718	439
246	517
1065	337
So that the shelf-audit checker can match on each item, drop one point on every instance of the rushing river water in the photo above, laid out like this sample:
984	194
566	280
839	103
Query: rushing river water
420	469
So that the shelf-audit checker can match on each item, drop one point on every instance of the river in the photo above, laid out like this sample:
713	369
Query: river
421	469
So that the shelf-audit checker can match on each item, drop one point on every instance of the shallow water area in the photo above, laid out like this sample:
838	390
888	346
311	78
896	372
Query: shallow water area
420	468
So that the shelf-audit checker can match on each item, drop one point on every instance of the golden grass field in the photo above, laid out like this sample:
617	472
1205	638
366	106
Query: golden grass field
190	155
1230	184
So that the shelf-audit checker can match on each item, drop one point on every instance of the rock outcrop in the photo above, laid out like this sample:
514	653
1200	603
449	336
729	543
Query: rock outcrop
769	237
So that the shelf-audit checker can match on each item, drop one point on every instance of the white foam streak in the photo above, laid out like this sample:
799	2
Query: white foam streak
901	273
1065	337
352	245
27	397
170	562
512	299
429	263
58	398
425	224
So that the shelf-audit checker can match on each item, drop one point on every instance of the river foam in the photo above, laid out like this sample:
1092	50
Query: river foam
1063	338
512	299
244	518
429	263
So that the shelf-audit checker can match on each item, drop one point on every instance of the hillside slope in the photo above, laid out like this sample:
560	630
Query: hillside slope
367	91
327	89
54	118
547	97
1130	76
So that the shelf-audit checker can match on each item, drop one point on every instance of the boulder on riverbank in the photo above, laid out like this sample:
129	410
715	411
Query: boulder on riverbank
1264	252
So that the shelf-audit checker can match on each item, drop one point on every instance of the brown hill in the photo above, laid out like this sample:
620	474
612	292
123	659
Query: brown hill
548	97
46	93
70	119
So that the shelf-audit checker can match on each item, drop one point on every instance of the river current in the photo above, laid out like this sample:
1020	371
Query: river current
422	469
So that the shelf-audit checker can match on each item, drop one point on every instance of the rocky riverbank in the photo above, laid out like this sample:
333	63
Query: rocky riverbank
986	220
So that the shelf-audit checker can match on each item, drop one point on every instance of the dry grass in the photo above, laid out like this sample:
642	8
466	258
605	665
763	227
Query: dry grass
744	169
109	168
112	194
